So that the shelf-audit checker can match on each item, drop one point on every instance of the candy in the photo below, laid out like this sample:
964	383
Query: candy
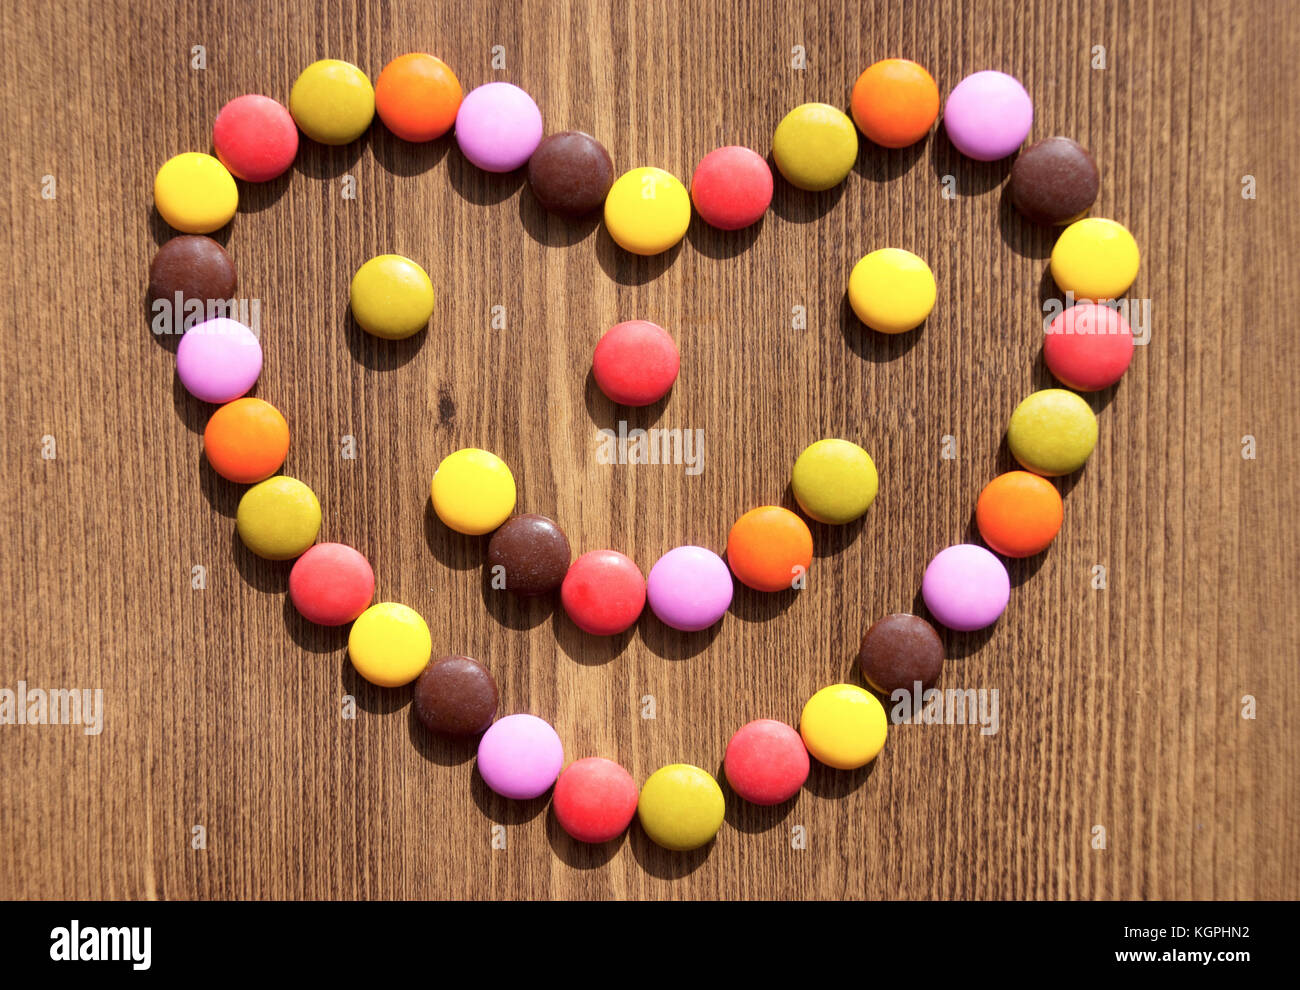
1054	181
834	481
635	363
1052	432
603	592
769	549
1095	259
681	807
331	584
520	756
498	127
1088	346
218	360
894	102
456	696
246	441
988	115
389	644
255	138
647	211
332	101
195	268
391	297
570	173
732	187
194	193
278	518
529	555
965	587
891	290
843	726
1019	514
766	762
417	97
473	491
689	588
594	799
898	651
815	146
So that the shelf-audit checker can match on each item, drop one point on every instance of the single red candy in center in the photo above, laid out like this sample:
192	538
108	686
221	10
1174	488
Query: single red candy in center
603	593
636	363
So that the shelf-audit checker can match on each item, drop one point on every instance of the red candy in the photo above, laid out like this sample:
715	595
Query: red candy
255	138
732	187
603	592
766	762
331	584
636	363
594	799
1088	347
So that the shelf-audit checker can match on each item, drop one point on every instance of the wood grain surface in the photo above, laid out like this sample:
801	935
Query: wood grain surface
1119	708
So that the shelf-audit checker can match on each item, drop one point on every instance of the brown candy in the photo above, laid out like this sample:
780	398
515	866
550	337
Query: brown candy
195	266
456	696
570	173
900	650
533	553
1054	181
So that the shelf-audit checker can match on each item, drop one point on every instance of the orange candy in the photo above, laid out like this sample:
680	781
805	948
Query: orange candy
1019	514
417	97
769	548
246	440
895	102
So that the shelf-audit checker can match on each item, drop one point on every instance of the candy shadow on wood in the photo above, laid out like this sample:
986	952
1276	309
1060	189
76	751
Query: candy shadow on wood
162	231
1027	239
310	636
254	197
745	816
269	576
580	855
327	161
673	644
1019	569
190	410
513	611
1006	461
457	551
584	648
602	409
973	177
376	353
481	188
551	229
713	242
665	863
828	540
627	268
371	697
827	782
760	606
880	164
167	341
872	345
221	494
446	751
956	645
1097	401
407	158
502	810
796	205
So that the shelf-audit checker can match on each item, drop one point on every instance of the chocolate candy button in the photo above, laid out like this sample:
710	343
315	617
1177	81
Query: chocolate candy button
533	554
570	173
1054	181
456	696
900	650
195	266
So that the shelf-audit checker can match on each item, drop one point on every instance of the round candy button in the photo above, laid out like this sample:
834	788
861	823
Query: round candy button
647	211
1052	432
456	696
898	651
965	587
389	644
895	102
766	762
278	518
1019	514
391	297
246	441
331	584
1088	347
1095	259
417	97
769	548
218	360
834	481
529	554
681	807
603	593
988	115
594	799
188	267
843	726
255	138
520	756
1054	181
635	363
892	290
332	101
195	193
689	588
815	146
732	187
498	127
570	173
473	491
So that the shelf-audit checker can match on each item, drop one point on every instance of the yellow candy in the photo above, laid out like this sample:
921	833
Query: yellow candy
194	193
681	807
647	210
473	491
1052	432
390	644
891	290
843	726
1095	259
834	481
278	518
332	101
391	297
815	146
